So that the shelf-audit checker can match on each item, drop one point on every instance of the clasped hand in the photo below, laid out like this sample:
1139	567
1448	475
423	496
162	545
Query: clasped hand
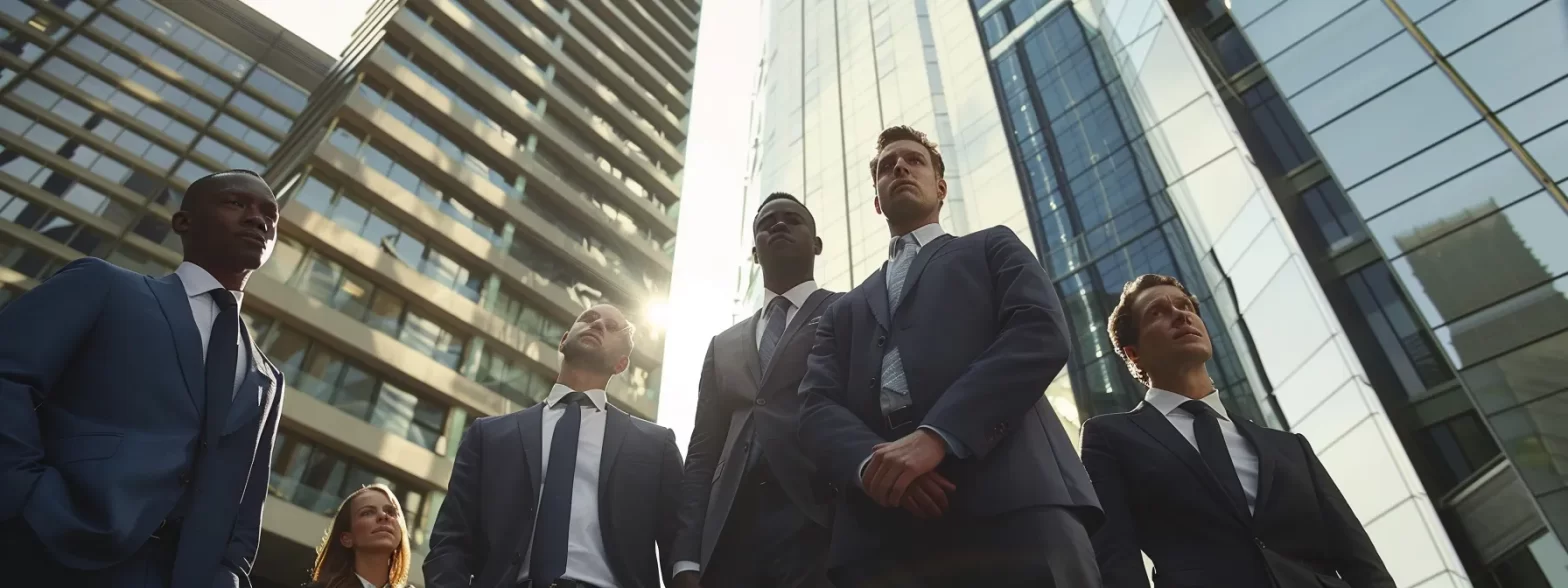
902	474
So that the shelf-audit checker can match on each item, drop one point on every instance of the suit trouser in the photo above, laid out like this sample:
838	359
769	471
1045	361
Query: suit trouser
25	563
767	541
1044	547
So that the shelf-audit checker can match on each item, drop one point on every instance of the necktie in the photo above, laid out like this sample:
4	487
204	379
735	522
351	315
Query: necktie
895	390
222	348
1211	446
778	313
548	560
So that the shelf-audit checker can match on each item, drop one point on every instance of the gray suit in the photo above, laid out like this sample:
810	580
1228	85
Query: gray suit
743	410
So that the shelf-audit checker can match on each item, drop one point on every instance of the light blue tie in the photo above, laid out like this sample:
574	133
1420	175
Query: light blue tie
895	389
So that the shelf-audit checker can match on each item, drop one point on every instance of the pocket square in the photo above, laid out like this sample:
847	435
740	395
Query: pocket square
814	321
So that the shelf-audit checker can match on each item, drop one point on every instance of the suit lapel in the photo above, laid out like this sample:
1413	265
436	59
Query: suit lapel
876	296
530	427
802	317
1155	424
176	307
918	266
616	424
1266	461
744	342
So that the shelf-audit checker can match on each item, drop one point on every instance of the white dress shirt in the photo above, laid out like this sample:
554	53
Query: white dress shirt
797	296
1242	456
363	583
204	310
585	555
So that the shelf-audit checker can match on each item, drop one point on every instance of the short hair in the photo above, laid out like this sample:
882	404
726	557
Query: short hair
1123	324
892	135
209	181
789	197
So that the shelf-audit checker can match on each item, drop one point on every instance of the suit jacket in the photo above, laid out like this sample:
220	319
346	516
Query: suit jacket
1160	498
981	334
734	398
486	525
105	423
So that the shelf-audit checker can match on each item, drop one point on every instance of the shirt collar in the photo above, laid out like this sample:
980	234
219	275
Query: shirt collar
923	235
363	582
1168	402
796	296
561	390
198	281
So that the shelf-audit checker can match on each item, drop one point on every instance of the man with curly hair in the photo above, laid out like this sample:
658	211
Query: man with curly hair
1212	500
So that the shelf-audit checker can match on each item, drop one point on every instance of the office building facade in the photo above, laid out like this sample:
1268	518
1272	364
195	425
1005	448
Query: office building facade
1366	195
458	184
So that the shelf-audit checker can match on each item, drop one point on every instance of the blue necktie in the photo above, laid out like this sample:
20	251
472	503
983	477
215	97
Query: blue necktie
895	388
778	313
548	560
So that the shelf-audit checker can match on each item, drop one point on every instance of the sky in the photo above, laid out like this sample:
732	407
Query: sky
703	290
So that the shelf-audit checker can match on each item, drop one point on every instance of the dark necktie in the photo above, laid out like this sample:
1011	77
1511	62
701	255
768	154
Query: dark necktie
222	349
548	560
778	318
1211	445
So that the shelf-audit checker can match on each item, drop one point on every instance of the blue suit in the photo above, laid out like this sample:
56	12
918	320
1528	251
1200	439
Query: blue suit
107	428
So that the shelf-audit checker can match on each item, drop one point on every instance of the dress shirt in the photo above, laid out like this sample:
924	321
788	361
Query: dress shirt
204	310
586	559
797	296
923	236
363	583
1241	453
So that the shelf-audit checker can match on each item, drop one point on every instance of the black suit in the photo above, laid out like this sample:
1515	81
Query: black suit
483	531
747	415
1160	498
981	335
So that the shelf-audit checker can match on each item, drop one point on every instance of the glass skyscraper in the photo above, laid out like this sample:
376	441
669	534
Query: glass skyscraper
1366	194
458	184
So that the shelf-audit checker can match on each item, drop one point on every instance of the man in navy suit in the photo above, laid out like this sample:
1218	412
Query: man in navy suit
1213	501
568	493
924	396
137	416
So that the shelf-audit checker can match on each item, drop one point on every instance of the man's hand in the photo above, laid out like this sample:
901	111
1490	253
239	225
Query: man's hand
896	465
927	496
687	579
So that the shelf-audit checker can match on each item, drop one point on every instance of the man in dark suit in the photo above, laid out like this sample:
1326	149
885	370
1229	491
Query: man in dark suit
754	513
924	398
569	493
1211	500
137	415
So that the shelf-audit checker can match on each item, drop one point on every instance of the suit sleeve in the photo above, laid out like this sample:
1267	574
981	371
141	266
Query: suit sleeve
709	430
42	331
830	433
669	520
1116	542
1030	348
1353	554
454	548
241	555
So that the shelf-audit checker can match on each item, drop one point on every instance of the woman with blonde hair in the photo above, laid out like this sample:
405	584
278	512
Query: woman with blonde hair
367	546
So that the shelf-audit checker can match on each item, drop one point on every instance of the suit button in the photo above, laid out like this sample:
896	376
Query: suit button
873	383
762	402
881	339
1260	543
203	444
185	478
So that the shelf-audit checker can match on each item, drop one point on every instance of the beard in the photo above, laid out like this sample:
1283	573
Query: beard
582	355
